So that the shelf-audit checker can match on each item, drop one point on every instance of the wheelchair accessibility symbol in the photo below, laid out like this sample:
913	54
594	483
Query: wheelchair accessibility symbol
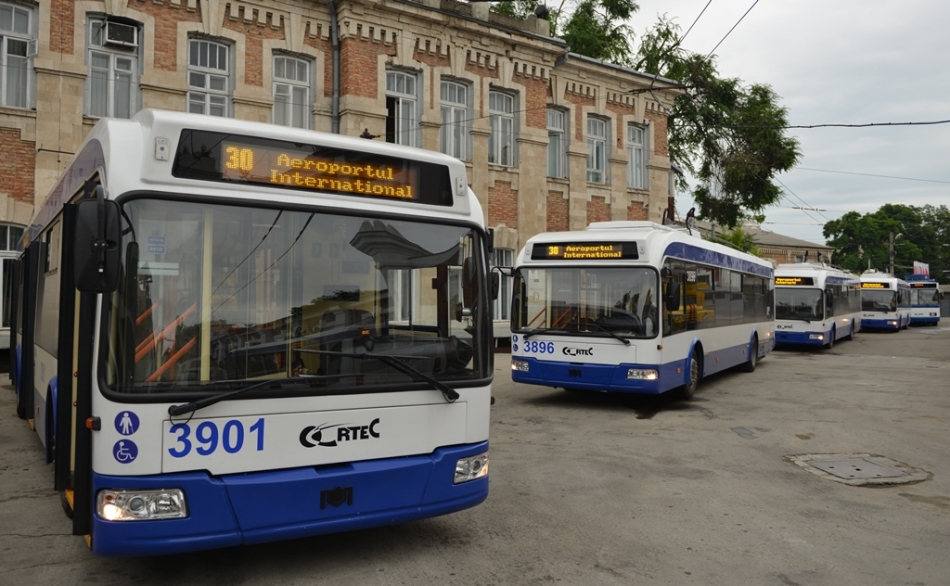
125	451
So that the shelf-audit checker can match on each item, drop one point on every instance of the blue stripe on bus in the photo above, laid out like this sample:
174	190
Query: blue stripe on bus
274	505
684	251
803	338
613	378
881	324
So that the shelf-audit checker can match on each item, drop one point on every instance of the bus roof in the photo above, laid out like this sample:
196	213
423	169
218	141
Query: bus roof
653	242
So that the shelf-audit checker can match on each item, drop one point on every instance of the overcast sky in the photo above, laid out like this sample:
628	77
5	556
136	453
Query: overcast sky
838	62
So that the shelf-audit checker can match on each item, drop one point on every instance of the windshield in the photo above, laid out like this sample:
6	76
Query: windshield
798	303
880	300
592	301
924	297
218	293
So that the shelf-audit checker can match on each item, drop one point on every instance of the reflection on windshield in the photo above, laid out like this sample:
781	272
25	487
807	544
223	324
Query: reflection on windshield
218	293
592	301
805	304
872	300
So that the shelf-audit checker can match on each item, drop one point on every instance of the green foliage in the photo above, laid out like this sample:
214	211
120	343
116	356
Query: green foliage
596	29
741	240
863	241
728	135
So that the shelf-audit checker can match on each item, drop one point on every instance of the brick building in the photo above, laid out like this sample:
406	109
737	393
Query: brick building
552	140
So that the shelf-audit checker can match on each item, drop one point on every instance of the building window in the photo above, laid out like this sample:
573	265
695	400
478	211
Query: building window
501	143
291	92
402	103
636	157
113	55
456	118
596	150
557	143
17	46
502	257
208	78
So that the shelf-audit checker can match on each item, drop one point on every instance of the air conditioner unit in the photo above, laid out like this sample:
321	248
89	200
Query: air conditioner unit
121	34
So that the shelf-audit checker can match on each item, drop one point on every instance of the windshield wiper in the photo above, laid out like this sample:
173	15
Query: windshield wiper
193	406
793	317
448	392
544	331
612	334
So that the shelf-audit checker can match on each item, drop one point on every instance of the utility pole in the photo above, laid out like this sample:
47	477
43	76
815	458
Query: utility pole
891	241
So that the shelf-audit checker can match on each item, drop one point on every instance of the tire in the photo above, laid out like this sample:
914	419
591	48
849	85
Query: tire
688	391
850	335
749	366
831	339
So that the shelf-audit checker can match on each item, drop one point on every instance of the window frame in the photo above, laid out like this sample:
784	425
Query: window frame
209	73
457	144
637	157
292	84
503	129
597	156
400	128
28	39
113	54
559	139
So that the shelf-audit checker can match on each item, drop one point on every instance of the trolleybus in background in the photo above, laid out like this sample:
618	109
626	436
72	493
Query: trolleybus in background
636	307
275	333
924	300
816	304
885	301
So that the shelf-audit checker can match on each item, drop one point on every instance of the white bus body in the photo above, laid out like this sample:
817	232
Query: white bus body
924	300
293	344
636	307
885	301
815	304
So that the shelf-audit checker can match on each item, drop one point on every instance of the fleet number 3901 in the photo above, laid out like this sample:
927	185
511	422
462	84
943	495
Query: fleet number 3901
208	438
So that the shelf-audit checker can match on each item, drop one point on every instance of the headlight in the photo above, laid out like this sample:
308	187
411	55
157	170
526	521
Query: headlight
642	374
519	365
470	468
816	336
141	505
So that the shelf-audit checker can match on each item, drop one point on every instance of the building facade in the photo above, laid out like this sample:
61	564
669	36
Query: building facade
552	140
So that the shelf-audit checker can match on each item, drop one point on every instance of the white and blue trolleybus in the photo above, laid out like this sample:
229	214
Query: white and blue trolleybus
924	300
885	301
636	307
816	304
234	333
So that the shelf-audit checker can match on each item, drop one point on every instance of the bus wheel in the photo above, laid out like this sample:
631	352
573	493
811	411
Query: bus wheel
850	335
695	367
749	366
831	339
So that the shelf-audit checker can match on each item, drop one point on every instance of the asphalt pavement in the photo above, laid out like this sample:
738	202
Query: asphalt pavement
593	489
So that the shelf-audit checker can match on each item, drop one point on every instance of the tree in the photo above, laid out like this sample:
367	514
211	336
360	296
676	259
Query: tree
863	241
728	135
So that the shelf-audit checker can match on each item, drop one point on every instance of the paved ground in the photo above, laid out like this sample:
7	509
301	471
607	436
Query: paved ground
594	489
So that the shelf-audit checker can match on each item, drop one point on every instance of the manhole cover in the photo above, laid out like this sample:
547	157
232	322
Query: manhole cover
860	469
857	468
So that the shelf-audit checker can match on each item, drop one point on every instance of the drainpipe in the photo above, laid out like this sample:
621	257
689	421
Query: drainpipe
335	40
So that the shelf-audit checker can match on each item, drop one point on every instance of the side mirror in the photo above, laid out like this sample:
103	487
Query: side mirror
672	296
829	300
96	252
495	284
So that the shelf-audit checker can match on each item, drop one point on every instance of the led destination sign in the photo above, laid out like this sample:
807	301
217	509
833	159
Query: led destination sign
871	285
215	156
585	251
795	281
917	285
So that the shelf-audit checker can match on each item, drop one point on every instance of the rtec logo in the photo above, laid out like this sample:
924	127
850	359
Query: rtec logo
578	351
313	435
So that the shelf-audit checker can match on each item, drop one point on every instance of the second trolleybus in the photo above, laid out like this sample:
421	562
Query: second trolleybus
816	304
885	301
636	307
234	333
